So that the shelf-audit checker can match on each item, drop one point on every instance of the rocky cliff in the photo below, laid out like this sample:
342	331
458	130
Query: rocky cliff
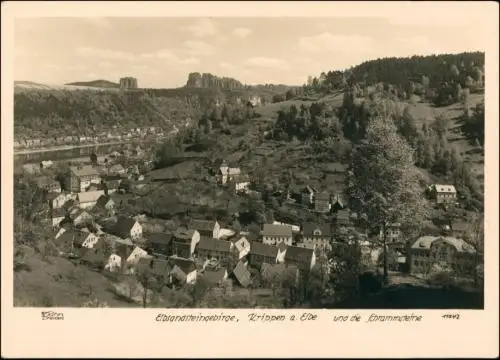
206	80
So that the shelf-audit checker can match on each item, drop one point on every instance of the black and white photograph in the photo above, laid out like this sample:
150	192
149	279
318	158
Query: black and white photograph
249	163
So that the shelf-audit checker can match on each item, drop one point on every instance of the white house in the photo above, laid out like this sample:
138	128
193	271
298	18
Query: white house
136	255
241	247
277	234
184	270
127	228
114	263
89	199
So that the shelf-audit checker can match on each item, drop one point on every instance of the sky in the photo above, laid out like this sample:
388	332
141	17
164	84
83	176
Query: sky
161	52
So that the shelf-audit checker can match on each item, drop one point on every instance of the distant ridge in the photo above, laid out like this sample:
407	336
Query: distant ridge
96	83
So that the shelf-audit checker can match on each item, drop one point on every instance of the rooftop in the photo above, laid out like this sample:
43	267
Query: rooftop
184	234
425	243
203	225
277	230
309	229
214	245
445	188
84	170
90	196
258	248
187	266
242	274
298	253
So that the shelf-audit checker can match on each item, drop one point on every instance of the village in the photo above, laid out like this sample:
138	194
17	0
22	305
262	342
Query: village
84	213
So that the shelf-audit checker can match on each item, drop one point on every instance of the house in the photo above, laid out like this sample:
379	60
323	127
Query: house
113	263
343	220
440	253
46	164
307	195
392	233
322	202
303	258
89	199
215	277
105	203
184	242
206	228
127	228
135	255
241	247
116	169
79	217
226	174
183	270
262	253
74	239
48	184
317	236
459	228
214	249
159	268
242	275
295	228
276	234
337	202
160	243
239	183
80	177
61	199
58	215
443	193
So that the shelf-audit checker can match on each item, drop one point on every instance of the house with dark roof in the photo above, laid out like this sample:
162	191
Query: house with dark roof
159	268
241	274
127	228
184	242
160	243
322	202
338	202
79	217
301	257
214	249
80	177
71	240
105	203
239	183
184	270
206	228
276	234
343	219
48	184
58	215
316	236
262	253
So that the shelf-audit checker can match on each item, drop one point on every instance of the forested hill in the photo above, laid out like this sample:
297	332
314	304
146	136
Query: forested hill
431	71
437	68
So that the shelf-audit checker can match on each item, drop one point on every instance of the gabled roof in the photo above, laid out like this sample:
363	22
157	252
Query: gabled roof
296	253
84	170
277	230
242	274
123	226
78	212
187	266
90	196
184	234
214	245
103	200
309	228
323	196
425	243
203	225
261	249
445	188
242	243
160	238
72	236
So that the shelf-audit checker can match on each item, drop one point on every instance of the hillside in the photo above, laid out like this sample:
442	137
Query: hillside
104	84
